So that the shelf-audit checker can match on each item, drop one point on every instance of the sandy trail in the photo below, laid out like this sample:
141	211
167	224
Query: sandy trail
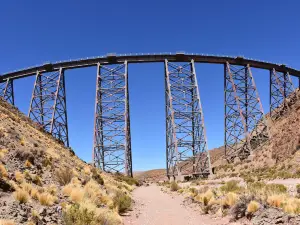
153	207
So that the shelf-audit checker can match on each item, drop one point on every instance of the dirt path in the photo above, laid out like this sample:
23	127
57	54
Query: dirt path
153	207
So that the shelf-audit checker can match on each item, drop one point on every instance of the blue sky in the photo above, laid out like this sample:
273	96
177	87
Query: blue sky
34	32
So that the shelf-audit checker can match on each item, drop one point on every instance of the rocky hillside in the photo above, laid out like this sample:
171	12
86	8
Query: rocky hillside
42	182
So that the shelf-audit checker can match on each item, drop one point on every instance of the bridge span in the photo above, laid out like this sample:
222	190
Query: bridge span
186	143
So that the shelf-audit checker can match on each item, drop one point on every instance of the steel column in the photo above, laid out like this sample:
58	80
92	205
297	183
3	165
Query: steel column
245	125
281	87
48	104
186	146
7	91
112	140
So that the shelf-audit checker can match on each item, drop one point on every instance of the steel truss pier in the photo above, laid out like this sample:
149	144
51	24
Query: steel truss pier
112	139
7	91
245	125
186	143
48	104
281	87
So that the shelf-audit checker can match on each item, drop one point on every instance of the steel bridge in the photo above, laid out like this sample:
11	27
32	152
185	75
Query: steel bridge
186	144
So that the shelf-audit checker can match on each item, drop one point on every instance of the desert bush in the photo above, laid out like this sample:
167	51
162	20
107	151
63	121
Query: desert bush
180	191
252	207
21	196
292	206
96	176
26	187
275	188
52	189
127	179
19	177
87	214
46	199
174	186
239	206
230	199
34	193
276	200
76	195
28	164
37	180
64	176
121	202
193	190
231	186
3	171
76	215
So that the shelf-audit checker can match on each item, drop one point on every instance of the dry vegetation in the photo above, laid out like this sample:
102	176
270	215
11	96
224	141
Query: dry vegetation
42	182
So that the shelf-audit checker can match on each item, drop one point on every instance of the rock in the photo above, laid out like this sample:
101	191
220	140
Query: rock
271	216
5	187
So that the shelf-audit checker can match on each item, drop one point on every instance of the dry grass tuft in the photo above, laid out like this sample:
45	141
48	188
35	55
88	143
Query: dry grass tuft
26	187
52	189
19	176
28	164
46	199
7	222
292	206
76	195
230	199
252	207
276	200
34	193
3	171
22	141
87	170
21	196
64	176
174	186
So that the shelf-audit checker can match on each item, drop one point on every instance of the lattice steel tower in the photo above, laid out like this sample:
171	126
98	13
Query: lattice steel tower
48	104
112	139
281	87
7	91
245	125
186	143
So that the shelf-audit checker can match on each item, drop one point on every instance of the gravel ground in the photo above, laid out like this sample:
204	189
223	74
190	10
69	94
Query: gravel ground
154	207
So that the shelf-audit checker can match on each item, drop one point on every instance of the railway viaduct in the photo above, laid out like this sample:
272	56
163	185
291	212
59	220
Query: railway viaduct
186	143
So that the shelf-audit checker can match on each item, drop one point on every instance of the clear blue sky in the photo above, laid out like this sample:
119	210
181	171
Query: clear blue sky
34	32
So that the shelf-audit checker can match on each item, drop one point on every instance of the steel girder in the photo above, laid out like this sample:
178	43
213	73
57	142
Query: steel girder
281	87
245	124
112	138
186	143
7	91
48	104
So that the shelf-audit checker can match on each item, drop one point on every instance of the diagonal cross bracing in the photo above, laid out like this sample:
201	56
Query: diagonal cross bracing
281	87
112	139
48	104
7	91
245	125
186	143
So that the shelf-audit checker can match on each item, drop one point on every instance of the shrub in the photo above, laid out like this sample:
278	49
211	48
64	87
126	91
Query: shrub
46	199
21	196
127	179
3	171
121	202
77	195
19	177
64	176
75	215
96	176
230	186
276	188
28	164
275	200
230	199
240	207
174	186
292	206
37	180
252	207
180	191
52	189
34	193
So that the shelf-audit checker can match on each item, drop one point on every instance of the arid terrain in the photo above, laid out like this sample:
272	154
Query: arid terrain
42	182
